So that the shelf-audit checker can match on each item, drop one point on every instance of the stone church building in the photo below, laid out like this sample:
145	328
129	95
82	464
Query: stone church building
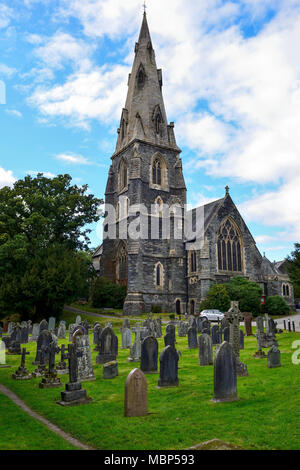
147	169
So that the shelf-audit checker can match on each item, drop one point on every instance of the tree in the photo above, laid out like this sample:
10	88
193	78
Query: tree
276	305
43	245
293	269
106	294
217	298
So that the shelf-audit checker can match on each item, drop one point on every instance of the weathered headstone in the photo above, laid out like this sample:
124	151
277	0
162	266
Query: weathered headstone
149	355
205	350
274	357
72	329
168	368
135	349
62	368
126	338
85	366
248	323
225	374
43	326
108	346
50	379
52	322
136	394
3	355
234	317
24	333
45	339
35	332
73	394
78	320
61	333
192	338
242	340
169	340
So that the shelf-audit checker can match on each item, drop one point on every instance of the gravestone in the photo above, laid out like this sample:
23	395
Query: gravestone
181	329
248	317
45	339
225	374
216	335
126	338
61	333
157	326
192	338
73	394
171	329
110	370
169	340
108	350
168	374
78	320
52	322
3	355
205	350
40	371
62	368
85	326
242	340
274	357
16	334
149	355
50	379
35	332
22	373
97	336
234	317
85	366
136	394
226	334
136	348
206	327
43	326
10	328
72	329
24	333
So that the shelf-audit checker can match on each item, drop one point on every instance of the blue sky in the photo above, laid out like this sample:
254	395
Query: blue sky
231	83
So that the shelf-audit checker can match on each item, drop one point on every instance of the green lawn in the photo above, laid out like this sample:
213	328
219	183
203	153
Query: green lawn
20	431
267	416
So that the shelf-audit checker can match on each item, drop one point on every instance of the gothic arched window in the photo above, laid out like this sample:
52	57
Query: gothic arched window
122	264
193	262
229	248
158	124
123	175
159	275
156	172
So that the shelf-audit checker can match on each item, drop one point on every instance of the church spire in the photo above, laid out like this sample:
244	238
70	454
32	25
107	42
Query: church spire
144	116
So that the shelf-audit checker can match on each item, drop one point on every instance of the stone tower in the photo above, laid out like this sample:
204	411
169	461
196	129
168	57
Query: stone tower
146	170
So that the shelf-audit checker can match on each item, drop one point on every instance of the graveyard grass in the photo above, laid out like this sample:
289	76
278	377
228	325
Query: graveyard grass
267	416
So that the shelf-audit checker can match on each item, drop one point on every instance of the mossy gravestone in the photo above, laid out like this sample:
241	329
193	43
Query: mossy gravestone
274	357
108	349
85	366
225	374
136	394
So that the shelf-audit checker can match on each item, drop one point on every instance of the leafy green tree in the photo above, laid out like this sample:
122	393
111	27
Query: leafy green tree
106	294
217	298
43	244
276	305
293	269
248	294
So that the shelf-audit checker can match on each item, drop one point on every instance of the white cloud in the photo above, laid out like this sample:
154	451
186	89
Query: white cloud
73	159
6	178
14	112
7	71
6	14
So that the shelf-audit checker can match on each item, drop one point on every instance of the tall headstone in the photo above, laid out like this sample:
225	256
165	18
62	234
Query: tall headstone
216	335
85	366
248	323
169	340
205	350
192	338
3	355
126	338
52	322
35	332
234	317
73	394
225	374
108	346
61	333
242	340
149	355
136	348
45	339
136	394
168	374
50	379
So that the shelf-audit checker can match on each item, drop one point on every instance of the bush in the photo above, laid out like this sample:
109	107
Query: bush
106	294
276	305
217	298
156	309
172	316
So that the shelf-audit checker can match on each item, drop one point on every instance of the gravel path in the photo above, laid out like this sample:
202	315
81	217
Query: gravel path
47	423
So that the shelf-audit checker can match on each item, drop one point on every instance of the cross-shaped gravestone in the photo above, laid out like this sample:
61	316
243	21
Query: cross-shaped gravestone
234	317
73	356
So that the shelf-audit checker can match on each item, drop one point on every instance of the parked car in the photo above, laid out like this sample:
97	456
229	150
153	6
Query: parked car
212	315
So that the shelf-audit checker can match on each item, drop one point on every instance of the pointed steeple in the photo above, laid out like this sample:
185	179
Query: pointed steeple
144	116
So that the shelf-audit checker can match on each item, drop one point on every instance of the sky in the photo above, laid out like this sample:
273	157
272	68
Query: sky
231	74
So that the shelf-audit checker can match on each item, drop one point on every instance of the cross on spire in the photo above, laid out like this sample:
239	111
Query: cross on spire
144	6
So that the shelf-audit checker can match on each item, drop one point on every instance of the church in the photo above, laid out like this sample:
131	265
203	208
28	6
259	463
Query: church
169	272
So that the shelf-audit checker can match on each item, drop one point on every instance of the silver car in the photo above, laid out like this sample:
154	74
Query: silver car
212	315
